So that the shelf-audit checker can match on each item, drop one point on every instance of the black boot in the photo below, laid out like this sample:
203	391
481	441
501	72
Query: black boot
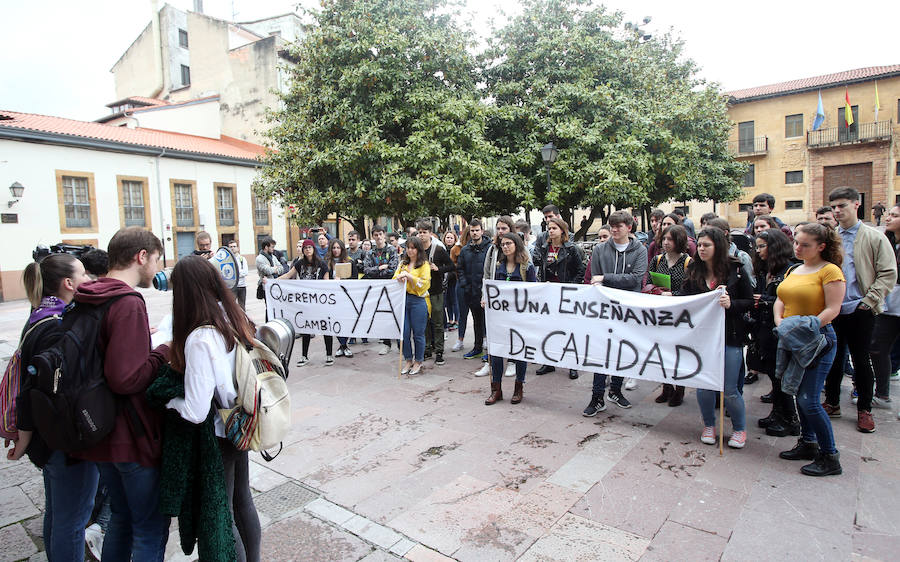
677	396
802	451
544	369
786	422
770	419
824	465
667	390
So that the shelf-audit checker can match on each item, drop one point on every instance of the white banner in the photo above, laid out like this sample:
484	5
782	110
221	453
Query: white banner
678	340
359	308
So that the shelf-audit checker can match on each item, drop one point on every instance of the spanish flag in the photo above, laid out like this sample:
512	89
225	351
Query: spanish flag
848	113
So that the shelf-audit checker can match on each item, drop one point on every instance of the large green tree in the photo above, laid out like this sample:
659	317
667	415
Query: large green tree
633	123
383	118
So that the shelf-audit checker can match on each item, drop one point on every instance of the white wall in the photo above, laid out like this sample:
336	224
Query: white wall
35	165
200	119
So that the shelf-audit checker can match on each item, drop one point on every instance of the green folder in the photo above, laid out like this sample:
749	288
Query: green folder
661	280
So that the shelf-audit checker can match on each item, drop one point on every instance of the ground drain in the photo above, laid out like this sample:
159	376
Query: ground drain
283	499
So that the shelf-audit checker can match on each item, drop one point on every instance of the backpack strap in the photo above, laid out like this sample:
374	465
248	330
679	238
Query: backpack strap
790	269
35	325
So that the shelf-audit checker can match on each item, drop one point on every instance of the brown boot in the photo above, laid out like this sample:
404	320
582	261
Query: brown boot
496	394
517	394
666	393
677	396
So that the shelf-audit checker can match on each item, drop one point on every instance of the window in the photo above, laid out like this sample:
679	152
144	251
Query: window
225	205
685	208
749	178
793	177
184	204
185	75
77	201
260	211
793	205
182	38
793	125
133	203
745	137
845	133
744	207
898	168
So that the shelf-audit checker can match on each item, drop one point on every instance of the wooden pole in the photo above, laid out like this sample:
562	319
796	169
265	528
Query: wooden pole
721	423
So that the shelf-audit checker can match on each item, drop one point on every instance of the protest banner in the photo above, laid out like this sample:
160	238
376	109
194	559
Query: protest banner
677	340
360	308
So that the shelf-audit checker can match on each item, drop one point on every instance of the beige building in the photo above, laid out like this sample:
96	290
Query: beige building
773	134
182	56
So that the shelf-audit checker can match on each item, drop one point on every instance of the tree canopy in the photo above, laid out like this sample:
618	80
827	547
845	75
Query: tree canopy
633	124
383	118
389	113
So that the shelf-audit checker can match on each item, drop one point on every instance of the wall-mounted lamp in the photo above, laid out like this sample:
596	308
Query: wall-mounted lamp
16	190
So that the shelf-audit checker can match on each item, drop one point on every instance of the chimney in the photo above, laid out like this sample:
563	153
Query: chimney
198	6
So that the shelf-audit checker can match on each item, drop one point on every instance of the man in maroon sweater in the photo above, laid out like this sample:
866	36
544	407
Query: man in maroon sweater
129	457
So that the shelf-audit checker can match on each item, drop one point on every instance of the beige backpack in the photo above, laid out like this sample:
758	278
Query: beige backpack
261	416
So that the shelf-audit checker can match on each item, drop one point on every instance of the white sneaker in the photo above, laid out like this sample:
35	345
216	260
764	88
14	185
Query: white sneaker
882	403
302	361
385	349
93	536
484	371
329	360
510	370
457	346
630	384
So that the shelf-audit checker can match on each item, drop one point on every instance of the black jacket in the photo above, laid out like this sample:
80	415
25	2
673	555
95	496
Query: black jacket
470	266
441	258
569	264
762	314
741	293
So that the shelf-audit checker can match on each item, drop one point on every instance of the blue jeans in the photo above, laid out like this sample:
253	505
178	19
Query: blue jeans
463	312
69	494
451	304
815	427
137	530
734	400
497	369
600	384
414	327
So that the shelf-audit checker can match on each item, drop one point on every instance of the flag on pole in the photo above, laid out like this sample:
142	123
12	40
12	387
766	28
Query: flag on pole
877	103
820	114
848	113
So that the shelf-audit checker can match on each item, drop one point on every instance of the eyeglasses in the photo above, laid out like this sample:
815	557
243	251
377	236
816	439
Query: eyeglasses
507	244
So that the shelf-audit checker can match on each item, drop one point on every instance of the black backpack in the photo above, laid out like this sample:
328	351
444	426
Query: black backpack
73	407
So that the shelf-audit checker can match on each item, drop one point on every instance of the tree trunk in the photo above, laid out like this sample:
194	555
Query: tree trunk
586	224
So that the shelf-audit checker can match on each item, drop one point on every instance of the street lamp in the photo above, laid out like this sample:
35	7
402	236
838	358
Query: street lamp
16	190
548	155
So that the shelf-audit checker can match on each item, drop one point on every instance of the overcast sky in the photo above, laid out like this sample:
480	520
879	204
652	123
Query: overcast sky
55	55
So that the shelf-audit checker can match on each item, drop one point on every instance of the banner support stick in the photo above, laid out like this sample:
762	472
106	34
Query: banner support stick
721	423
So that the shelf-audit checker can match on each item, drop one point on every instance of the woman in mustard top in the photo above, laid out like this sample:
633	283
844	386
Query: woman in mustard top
815	288
416	271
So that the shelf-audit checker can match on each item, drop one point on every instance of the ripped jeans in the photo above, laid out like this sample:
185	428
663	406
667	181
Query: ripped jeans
734	400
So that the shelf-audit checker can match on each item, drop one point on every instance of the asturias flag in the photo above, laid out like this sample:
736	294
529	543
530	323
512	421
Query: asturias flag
848	113
820	114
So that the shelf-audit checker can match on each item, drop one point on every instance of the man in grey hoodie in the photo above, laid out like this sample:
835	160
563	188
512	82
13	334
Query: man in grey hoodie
621	263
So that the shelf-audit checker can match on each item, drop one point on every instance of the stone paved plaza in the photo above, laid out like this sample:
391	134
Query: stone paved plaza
379	467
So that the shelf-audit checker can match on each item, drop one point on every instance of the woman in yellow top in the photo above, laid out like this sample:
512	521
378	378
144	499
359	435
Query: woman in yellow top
814	288
416	271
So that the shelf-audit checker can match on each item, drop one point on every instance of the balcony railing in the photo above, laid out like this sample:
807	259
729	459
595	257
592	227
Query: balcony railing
856	133
749	147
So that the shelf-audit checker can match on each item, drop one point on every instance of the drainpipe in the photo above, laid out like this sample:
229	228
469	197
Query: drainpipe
162	223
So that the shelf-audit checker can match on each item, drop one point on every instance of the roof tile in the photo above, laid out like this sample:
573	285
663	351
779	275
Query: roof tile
826	80
224	146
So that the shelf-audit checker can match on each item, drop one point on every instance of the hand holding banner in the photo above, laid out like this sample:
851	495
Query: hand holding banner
363	308
676	340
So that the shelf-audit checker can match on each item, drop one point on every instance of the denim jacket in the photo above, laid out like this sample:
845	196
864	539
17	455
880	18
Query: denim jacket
800	344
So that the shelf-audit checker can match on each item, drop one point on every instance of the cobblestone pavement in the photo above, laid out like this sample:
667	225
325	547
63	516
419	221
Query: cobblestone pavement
379	467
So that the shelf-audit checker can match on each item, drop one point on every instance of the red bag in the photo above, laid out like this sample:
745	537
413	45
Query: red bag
10	385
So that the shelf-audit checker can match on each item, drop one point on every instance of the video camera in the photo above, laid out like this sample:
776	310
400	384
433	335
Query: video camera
41	251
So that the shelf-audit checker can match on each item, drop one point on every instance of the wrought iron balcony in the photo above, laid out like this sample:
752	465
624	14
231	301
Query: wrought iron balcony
854	134
749	147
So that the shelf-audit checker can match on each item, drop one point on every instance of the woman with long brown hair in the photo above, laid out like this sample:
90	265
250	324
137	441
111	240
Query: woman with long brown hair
808	300
415	269
207	325
337	253
460	292
714	268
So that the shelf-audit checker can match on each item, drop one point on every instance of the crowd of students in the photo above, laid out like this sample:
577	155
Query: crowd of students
799	300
